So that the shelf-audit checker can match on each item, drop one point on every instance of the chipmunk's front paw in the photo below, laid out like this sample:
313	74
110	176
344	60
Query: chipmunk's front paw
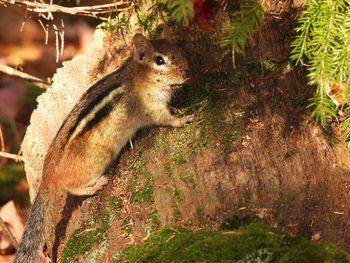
182	122
174	110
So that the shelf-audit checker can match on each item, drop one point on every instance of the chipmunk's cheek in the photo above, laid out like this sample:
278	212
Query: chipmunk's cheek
186	75
182	77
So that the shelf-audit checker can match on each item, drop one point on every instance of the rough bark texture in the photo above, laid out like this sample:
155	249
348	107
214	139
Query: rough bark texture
252	146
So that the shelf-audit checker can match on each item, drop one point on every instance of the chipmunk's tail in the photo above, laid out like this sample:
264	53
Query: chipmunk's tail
33	238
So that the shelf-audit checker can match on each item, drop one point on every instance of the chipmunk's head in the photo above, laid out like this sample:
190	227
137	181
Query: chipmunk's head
160	62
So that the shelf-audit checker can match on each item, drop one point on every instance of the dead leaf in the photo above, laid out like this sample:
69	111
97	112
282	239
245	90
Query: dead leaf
316	236
10	216
337	93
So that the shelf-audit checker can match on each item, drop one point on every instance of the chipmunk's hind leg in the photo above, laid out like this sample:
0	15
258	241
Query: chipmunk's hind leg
91	188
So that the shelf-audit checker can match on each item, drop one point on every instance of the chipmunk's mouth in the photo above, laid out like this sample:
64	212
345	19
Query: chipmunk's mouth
176	86
180	84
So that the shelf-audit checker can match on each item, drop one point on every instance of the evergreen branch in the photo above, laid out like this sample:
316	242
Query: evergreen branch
301	45
323	40
244	22
345	129
342	55
323	107
181	10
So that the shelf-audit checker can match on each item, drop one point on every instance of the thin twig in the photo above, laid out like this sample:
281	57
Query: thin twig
8	233
2	142
19	74
12	156
46	30
61	33
57	43
233	58
92	11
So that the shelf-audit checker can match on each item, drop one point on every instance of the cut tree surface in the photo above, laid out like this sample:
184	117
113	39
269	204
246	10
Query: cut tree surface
252	146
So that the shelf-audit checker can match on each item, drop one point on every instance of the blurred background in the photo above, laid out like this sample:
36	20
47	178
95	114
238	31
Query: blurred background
28	44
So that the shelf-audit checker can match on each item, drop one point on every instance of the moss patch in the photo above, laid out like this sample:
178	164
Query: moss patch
116	203
217	119
187	179
85	238
141	183
91	233
145	193
239	219
255	242
153	221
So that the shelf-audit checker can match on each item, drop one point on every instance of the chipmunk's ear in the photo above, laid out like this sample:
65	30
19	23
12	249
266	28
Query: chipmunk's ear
142	47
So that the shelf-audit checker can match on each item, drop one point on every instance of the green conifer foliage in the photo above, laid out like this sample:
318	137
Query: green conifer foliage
245	19
181	10
323	45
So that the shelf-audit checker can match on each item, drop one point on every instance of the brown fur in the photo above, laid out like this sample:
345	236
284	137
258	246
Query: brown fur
100	124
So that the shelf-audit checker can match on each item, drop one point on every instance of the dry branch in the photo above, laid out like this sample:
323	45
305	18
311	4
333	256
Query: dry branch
92	11
19	74
2	141
8	234
15	157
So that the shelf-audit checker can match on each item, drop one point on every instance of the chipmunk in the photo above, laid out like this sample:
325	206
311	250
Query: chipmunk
108	114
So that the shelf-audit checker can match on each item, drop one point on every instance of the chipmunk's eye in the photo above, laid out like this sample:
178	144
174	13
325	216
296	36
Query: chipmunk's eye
159	60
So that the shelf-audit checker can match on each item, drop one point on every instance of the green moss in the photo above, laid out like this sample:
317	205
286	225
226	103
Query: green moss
217	119
179	160
187	179
145	193
239	219
86	237
255	242
127	227
308	251
177	195
168	171
176	214
161	141
97	254
200	214
116	203
132	183
141	183
137	164
153	221
91	233
220	118
188	223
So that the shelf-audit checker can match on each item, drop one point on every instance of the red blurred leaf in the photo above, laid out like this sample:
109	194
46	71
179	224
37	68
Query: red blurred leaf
206	10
